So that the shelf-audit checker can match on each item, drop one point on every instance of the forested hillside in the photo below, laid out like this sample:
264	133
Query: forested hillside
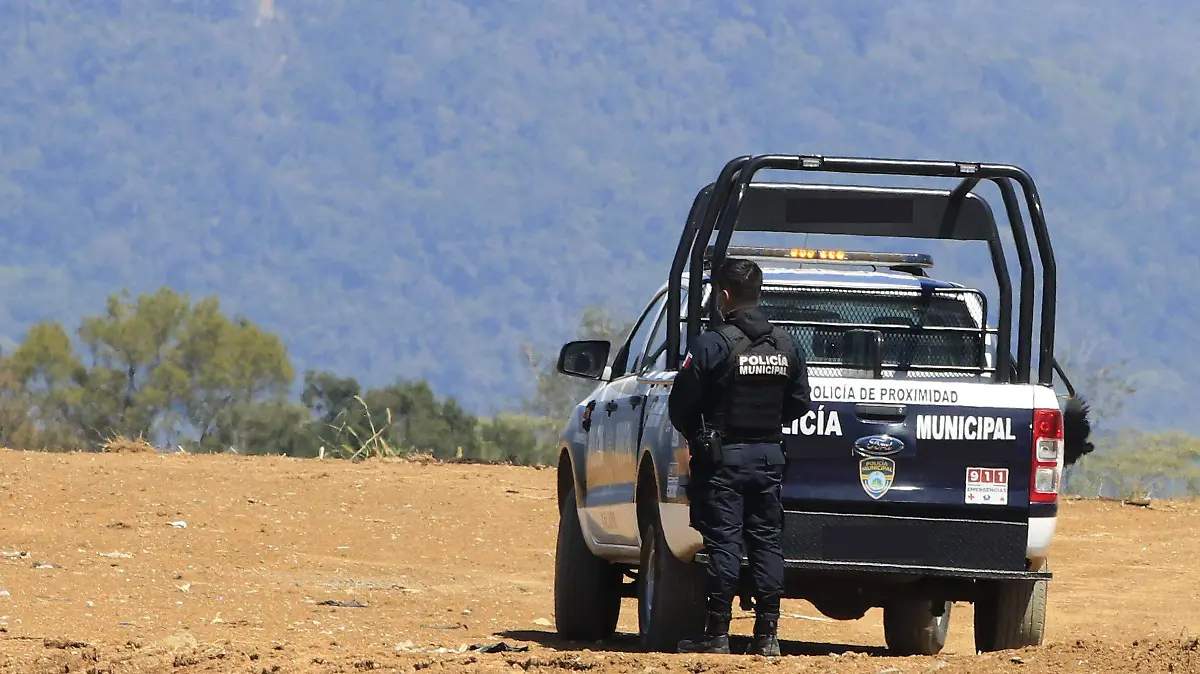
411	189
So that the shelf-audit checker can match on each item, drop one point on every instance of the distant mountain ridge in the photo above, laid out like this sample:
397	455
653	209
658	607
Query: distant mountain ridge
411	189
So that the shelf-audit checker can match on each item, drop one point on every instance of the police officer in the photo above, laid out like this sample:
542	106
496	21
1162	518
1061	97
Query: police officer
737	388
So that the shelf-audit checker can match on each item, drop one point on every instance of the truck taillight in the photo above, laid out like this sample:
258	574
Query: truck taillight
1047	452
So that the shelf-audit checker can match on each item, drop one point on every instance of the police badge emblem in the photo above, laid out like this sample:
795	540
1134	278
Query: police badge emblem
876	474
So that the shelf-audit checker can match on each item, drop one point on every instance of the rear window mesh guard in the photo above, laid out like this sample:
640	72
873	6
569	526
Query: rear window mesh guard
923	330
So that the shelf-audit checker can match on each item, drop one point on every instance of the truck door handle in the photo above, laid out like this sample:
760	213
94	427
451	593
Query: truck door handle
610	407
634	401
877	412
586	421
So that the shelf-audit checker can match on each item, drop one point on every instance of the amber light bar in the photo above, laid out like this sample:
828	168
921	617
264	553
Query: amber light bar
843	256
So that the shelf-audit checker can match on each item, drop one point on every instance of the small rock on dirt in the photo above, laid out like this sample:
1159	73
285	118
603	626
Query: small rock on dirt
499	647
180	641
353	603
63	644
543	622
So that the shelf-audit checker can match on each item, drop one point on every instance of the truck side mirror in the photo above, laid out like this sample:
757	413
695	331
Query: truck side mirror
585	358
862	353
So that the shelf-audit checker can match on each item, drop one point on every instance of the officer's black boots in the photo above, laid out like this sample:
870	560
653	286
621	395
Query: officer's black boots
715	639
707	644
765	641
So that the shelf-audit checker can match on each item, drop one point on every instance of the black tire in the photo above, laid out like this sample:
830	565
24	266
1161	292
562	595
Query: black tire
670	592
587	589
1010	614
911	628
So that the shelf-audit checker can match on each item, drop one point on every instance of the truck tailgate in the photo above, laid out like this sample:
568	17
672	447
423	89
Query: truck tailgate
922	474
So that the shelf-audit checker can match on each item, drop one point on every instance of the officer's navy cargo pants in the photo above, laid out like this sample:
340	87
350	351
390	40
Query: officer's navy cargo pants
734	502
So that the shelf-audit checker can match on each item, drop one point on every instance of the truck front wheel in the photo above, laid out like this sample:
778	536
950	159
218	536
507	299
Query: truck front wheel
587	589
670	592
910	626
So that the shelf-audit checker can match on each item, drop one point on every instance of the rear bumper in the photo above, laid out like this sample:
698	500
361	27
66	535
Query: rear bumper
908	570
897	571
906	546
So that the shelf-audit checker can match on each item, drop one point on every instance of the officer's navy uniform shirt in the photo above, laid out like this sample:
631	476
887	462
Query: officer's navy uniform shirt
694	388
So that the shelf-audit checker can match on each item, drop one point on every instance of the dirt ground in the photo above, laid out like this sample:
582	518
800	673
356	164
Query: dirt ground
149	563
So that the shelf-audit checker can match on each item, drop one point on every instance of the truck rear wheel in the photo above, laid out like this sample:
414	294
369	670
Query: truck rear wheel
1010	614
670	592
911	628
587	589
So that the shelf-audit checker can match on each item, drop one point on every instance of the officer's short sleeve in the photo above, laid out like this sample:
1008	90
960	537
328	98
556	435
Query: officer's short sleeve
692	381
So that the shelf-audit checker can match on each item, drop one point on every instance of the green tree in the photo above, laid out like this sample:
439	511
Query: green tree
122	388
29	421
1135	465
216	369
277	427
419	421
155	365
519	439
402	417
555	395
329	395
43	377
45	360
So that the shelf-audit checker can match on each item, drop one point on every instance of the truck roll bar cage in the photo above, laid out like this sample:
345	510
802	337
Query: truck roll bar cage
733	201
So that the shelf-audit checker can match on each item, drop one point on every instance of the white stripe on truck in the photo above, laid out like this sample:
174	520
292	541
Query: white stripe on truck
938	393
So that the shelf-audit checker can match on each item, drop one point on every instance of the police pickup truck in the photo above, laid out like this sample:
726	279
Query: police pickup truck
927	471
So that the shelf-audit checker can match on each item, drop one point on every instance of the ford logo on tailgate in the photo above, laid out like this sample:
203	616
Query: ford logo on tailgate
878	445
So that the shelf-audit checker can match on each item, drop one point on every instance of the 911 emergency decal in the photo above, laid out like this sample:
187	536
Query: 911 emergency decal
963	427
876	475
986	486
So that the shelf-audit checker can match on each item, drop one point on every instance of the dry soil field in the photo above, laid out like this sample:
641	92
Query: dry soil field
99	574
